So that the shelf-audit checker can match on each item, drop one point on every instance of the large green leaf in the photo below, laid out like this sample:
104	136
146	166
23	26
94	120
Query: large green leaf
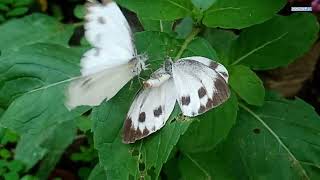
32	92
237	14
277	141
247	85
48	145
159	9
31	86
32	29
276	42
210	128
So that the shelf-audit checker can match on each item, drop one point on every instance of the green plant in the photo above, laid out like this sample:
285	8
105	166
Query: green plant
253	135
14	8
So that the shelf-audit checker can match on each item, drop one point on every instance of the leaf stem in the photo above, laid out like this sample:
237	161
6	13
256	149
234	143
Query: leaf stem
295	161
185	44
198	165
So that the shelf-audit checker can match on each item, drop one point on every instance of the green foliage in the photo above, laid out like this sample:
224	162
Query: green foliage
276	141
249	136
14	8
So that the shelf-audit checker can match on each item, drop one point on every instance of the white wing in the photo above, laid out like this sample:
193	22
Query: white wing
108	31
212	64
199	87
111	63
149	111
93	89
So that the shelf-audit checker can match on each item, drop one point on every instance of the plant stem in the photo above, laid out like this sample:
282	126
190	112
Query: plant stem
185	44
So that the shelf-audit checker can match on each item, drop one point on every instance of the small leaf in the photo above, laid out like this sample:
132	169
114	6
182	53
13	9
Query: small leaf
160	9
84	124
79	11
4	153
11	176
17	11
200	47
203	4
221	41
247	85
4	7
97	173
235	14
210	128
15	166
262	48
8	136
23	3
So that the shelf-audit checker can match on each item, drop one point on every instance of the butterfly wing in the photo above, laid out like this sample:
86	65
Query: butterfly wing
219	68
93	89
112	62
149	111
199	87
108	31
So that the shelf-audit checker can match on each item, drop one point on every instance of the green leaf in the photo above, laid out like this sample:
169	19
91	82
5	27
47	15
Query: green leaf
32	29
79	11
4	7
159	9
17	11
203	4
200	47
84	124
247	85
32	86
48	145
7	1
29	177
33	81
15	166
184	28
221	41
279	140
276	42
156	25
235	14
23	3
4	153
97	173
8	136
11	176
210	128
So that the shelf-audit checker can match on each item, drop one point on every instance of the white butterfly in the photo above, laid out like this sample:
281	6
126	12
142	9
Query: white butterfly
197	83
113	60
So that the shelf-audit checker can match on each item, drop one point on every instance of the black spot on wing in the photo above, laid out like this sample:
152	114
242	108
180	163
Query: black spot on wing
102	20
202	109
185	100
142	117
213	65
131	134
202	92
157	112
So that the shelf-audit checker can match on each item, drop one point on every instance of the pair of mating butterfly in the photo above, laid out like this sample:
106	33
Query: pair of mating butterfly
197	83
